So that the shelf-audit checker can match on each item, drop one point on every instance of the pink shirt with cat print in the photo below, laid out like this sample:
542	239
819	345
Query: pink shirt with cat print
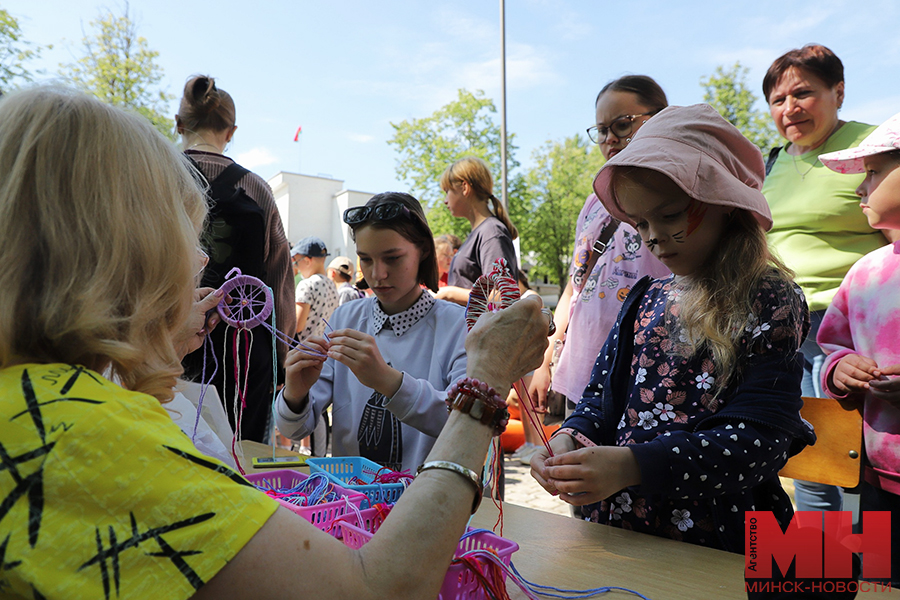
864	318
597	296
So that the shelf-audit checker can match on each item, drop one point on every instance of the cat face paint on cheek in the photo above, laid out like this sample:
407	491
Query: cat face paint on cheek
695	212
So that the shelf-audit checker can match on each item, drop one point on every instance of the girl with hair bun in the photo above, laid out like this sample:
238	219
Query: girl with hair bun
469	188
206	123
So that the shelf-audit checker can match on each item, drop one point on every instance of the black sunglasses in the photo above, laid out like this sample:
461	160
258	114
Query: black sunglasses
382	212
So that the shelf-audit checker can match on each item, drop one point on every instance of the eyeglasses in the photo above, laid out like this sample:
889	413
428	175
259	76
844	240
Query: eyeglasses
620	126
382	212
204	260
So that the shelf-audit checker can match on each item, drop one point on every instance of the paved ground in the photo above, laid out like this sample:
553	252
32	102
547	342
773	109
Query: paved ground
522	489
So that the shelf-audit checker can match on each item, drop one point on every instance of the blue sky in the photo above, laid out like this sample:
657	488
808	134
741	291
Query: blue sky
345	70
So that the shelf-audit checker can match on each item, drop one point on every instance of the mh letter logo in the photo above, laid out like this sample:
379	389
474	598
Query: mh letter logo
818	553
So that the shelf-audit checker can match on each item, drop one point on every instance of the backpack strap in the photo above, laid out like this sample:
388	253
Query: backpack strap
773	156
600	246
229	178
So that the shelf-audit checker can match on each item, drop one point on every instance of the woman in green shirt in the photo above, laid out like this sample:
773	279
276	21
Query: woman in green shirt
819	230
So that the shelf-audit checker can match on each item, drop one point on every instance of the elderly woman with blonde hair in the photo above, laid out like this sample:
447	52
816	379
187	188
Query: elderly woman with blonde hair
100	219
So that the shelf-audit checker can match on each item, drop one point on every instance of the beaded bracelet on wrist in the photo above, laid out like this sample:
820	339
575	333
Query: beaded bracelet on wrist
480	401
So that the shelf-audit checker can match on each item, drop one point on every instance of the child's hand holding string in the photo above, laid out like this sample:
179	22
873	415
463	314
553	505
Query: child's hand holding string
302	368
359	352
885	387
853	374
560	445
588	475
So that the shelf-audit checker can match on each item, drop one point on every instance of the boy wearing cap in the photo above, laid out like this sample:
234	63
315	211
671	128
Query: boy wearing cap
860	330
316	296
341	272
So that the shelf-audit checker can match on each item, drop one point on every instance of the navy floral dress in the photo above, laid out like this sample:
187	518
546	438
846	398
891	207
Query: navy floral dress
706	454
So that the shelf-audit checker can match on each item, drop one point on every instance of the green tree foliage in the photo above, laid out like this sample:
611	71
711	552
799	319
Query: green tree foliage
427	146
557	185
119	68
14	53
727	92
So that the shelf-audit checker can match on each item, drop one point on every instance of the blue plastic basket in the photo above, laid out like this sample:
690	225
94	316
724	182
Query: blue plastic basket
343	469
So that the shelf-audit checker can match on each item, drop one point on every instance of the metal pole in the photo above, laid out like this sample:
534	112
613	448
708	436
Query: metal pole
503	104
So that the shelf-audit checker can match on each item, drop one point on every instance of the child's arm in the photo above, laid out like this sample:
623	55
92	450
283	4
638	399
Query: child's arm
301	371
418	402
844	372
295	414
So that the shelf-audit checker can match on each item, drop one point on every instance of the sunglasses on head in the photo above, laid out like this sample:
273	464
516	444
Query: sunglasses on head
383	212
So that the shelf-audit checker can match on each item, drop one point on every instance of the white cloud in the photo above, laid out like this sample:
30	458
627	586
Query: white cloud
256	157
361	138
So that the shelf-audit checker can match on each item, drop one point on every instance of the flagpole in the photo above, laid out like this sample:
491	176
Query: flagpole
503	198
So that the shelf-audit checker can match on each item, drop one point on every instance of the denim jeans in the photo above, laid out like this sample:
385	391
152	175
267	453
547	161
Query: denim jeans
809	495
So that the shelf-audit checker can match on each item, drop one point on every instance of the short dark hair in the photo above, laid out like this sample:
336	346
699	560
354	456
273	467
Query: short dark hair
415	229
815	59
649	93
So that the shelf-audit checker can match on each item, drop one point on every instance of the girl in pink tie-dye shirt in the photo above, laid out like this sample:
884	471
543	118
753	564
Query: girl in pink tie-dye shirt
861	329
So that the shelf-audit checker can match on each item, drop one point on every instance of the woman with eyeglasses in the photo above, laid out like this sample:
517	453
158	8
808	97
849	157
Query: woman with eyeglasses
386	365
469	188
598	284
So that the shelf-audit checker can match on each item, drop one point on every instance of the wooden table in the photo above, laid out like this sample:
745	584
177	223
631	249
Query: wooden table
255	449
572	554
568	553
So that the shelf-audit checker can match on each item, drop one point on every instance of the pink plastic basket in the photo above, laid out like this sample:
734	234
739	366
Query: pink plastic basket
368	520
459	583
320	515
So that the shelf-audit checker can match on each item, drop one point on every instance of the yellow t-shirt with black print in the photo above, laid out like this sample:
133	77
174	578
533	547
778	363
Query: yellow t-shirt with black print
102	496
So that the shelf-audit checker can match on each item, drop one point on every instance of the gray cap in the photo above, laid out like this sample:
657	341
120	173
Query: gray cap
310	246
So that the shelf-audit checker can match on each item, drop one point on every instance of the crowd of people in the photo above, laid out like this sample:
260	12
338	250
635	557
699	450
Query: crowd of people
711	288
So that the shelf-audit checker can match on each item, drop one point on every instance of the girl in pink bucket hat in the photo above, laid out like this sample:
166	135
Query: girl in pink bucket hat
861	328
693	404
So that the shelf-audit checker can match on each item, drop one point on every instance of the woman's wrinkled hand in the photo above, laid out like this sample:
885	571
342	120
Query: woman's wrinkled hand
203	319
503	346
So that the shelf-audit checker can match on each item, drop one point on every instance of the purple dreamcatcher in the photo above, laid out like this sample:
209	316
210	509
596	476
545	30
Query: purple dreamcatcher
247	302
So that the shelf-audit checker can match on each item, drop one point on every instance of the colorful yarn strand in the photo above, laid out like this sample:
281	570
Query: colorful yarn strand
490	572
531	412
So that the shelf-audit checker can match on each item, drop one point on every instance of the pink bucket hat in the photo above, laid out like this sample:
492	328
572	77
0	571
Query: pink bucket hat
705	155
886	138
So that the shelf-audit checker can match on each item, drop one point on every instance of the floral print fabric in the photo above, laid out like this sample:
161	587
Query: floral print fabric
700	457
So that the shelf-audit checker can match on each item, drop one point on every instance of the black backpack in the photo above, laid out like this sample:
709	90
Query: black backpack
235	233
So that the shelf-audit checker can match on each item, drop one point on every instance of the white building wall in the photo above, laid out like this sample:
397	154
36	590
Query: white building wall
311	205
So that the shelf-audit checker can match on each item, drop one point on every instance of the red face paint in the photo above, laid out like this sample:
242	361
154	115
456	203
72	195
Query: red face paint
695	213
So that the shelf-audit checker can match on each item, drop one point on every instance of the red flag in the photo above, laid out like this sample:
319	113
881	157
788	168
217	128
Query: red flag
297	135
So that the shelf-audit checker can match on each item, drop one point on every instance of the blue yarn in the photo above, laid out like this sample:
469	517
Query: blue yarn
569	594
572	594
